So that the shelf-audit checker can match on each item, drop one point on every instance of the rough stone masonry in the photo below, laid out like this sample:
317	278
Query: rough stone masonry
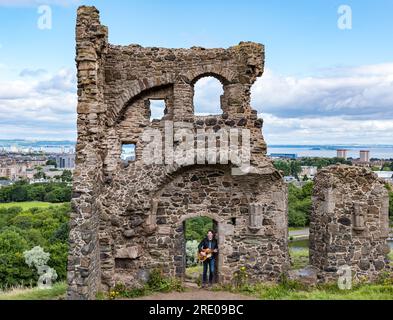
128	219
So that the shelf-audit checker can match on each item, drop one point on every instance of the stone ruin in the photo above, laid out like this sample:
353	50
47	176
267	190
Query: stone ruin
128	218
349	224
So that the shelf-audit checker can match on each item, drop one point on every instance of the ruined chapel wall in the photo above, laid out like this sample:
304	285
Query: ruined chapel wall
349	222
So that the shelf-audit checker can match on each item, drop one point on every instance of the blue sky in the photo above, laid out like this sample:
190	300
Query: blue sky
321	85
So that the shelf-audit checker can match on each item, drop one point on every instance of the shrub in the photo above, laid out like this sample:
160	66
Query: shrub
191	252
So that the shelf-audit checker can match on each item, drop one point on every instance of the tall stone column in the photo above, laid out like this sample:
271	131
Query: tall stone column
83	262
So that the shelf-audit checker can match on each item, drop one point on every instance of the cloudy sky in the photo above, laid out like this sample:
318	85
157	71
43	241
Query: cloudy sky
322	84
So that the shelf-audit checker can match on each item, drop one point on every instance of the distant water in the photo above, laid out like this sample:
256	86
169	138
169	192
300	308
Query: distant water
380	152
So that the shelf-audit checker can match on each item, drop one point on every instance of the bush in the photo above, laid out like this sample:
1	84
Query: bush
191	252
21	231
156	283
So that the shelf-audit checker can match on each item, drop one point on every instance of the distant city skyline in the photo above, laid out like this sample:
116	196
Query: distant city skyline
317	150
322	85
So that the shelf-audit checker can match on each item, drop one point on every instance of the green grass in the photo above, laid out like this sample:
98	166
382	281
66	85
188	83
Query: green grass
56	292
28	205
296	228
299	258
196	269
326	292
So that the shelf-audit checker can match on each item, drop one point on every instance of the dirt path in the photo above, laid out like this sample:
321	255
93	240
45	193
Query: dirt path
197	294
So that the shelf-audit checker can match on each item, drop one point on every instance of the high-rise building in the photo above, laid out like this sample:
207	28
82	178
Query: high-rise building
342	153
65	161
364	156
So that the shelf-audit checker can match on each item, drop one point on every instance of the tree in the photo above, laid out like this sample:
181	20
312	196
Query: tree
51	162
299	204
36	193
283	166
13	269
40	175
23	230
296	168
196	228
66	176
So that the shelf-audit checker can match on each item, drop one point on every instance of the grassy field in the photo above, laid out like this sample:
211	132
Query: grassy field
28	205
56	292
326	292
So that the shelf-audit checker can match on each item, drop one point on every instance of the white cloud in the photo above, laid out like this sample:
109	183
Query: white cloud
336	105
326	130
339	105
361	92
39	104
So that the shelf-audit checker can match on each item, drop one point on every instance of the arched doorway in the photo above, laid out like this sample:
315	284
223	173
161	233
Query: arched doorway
195	230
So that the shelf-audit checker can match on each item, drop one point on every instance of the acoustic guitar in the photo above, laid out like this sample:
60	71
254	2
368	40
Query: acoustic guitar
203	258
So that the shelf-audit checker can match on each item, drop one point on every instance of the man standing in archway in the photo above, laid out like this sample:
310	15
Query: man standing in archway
208	248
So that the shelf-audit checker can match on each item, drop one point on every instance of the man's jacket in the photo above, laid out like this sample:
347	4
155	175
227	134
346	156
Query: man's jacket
206	244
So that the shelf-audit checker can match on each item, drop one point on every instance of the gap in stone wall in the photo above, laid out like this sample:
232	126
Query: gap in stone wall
128	153
207	96
157	109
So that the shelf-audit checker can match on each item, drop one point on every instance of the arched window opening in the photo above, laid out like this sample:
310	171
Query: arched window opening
207	96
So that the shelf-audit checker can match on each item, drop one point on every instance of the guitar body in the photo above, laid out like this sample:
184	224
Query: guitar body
203	258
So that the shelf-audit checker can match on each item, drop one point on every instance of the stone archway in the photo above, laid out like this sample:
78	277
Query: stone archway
219	234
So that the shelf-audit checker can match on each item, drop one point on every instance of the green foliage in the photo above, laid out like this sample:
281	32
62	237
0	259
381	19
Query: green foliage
283	166
299	205
323	162
13	269
156	283
387	166
57	291
191	252
299	258
289	168
23	191
391	205
196	228
240	277
22	230
51	162
66	176
293	290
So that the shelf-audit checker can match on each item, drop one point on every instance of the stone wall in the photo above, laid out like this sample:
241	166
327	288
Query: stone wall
128	219
349	223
